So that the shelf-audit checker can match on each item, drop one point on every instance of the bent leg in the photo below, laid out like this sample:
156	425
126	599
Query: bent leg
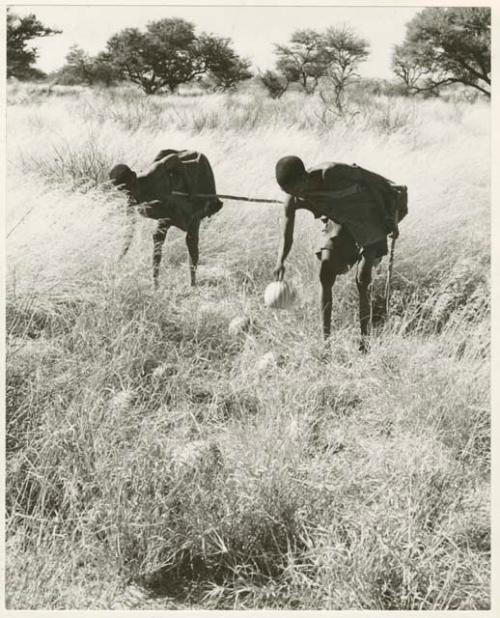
327	279
363	281
129	232
192	242
158	240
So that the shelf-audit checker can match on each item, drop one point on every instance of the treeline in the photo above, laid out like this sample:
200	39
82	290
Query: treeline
442	47
165	55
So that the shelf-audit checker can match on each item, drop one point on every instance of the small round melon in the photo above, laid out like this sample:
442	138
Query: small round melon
279	295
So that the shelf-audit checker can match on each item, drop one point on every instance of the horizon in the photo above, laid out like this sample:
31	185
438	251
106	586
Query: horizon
253	30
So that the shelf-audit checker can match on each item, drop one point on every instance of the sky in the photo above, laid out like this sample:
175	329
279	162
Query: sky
253	30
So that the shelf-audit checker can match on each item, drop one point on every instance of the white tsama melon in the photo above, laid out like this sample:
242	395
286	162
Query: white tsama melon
279	295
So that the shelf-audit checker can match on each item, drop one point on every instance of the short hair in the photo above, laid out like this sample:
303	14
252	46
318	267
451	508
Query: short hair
289	170
121	174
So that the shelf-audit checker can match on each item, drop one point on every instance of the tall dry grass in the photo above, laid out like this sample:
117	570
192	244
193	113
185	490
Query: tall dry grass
147	444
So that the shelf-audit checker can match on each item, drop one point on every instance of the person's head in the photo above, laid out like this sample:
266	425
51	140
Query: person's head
123	178
291	175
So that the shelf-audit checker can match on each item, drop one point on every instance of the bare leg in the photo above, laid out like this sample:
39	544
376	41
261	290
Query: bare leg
192	241
158	240
363	281
327	278
129	232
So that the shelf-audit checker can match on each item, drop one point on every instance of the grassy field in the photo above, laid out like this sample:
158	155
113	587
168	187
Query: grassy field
154	458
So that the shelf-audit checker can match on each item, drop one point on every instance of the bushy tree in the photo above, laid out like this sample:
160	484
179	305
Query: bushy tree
163	56
313	56
302	60
407	68
81	68
104	69
78	67
275	84
343	51
20	55
446	46
224	67
169	54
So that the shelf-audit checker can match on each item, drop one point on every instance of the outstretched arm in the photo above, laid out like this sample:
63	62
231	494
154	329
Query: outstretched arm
287	237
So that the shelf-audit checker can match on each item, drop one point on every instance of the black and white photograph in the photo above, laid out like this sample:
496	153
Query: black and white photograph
247	307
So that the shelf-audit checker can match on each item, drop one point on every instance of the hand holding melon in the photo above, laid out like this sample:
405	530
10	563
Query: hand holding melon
279	272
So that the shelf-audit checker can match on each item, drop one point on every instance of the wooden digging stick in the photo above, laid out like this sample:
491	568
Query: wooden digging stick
230	197
388	278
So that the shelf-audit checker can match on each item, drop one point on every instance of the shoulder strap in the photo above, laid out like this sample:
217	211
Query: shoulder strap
165	153
189	156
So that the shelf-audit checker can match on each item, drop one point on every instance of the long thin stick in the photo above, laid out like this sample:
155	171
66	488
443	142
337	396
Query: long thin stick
239	198
388	279
231	197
